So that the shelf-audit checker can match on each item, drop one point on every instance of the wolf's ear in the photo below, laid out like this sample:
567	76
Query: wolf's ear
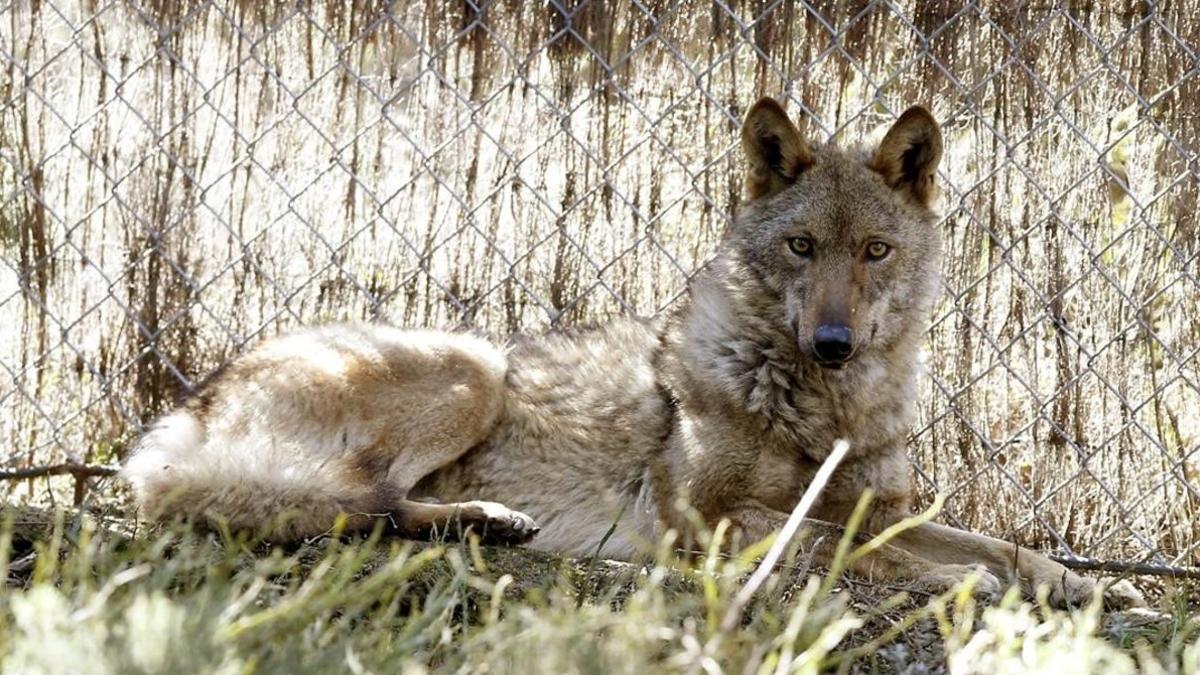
908	156
776	153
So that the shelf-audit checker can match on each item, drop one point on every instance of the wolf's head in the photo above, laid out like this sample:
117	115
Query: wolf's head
846	241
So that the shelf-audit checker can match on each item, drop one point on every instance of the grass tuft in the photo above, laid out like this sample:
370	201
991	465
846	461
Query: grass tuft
177	600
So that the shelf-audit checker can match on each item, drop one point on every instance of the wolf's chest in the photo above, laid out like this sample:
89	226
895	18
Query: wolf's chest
779	479
871	408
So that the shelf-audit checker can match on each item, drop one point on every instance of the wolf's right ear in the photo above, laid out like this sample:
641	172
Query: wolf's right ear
908	156
776	153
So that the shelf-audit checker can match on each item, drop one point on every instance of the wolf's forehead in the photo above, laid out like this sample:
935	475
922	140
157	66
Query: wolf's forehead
840	196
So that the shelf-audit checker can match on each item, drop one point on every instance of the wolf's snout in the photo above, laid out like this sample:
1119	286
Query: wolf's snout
833	344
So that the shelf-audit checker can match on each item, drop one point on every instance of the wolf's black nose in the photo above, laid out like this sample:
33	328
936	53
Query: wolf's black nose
833	343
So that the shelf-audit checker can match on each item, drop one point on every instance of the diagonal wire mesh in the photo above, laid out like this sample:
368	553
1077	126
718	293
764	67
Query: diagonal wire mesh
179	179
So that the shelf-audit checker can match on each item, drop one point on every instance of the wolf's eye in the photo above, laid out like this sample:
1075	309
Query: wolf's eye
801	246
877	250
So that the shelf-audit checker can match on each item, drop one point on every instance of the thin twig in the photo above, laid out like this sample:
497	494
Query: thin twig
785	535
585	587
74	469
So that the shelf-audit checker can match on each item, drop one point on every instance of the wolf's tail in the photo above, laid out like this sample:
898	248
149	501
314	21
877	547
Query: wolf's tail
176	470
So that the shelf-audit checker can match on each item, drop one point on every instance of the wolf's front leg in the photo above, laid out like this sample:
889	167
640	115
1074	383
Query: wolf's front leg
946	544
885	564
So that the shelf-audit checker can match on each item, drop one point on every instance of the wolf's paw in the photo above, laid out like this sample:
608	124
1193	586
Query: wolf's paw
1121	594
497	524
1069	590
1073	590
986	586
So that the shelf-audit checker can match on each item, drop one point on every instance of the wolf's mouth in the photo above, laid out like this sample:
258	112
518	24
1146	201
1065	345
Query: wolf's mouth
839	363
832	365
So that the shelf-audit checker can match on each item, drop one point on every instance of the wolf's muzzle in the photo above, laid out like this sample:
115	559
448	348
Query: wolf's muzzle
833	344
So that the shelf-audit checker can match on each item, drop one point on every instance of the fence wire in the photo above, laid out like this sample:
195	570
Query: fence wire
179	179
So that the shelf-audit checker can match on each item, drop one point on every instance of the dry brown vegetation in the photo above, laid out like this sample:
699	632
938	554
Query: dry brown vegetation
180	178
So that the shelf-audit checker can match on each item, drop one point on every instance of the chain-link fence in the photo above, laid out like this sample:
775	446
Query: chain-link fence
178	179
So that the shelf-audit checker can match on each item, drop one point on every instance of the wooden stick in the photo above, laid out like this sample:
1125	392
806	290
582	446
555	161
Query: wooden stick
1138	568
68	468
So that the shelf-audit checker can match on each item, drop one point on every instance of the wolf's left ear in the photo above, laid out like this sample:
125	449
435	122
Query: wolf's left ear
774	149
908	156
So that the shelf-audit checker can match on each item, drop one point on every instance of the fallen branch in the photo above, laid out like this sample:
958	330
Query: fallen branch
1135	568
71	468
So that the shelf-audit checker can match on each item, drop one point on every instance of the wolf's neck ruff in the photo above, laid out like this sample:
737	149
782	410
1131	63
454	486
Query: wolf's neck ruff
734	340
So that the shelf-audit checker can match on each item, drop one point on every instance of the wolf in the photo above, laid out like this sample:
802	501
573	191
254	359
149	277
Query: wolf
806	327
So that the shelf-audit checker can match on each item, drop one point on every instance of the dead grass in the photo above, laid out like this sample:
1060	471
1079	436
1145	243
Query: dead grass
82	595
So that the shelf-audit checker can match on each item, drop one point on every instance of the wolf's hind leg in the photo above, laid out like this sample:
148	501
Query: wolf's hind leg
493	523
442	395
433	397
